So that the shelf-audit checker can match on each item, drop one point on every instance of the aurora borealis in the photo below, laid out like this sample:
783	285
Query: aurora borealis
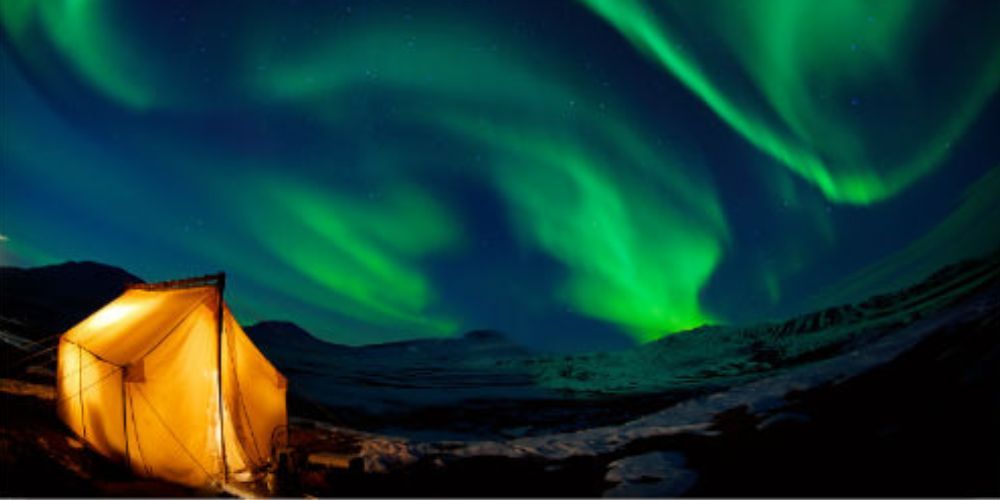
579	175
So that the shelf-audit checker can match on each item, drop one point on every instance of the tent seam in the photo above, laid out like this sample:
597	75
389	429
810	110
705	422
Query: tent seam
138	444
92	353
87	388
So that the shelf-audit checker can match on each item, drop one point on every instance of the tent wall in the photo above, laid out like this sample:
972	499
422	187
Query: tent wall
103	426
90	399
175	404
158	410
254	393
68	385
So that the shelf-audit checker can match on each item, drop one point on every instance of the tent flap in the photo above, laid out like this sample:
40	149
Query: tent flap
255	403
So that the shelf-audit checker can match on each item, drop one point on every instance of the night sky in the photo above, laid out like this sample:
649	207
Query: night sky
579	175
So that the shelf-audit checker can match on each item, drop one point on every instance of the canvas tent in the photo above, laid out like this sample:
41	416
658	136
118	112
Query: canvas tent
164	380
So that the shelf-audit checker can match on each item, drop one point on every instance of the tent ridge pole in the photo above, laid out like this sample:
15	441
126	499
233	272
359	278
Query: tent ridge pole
221	286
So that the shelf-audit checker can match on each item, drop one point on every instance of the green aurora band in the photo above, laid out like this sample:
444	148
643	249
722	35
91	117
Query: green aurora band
635	259
627	210
638	233
361	251
82	32
804	59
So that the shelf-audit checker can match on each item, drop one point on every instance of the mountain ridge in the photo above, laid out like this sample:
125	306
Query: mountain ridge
48	300
52	298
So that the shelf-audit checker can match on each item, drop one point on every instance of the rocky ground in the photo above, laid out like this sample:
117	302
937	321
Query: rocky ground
920	424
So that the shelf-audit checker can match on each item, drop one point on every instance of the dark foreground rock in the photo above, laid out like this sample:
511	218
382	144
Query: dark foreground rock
656	474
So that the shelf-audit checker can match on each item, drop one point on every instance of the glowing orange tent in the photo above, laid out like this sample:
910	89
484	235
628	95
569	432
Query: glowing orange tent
164	380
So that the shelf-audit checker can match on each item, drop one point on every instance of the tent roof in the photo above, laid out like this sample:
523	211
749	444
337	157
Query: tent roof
128	328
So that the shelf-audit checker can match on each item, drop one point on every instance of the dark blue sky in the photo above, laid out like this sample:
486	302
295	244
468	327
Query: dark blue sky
580	175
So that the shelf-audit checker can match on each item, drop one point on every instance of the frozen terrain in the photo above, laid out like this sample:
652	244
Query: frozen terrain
481	385
897	395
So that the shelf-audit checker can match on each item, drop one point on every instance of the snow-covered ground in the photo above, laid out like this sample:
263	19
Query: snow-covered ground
482	386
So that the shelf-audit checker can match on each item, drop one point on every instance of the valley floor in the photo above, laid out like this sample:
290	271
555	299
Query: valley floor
922	424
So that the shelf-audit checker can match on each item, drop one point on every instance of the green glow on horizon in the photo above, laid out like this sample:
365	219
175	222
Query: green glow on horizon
638	234
792	48
635	259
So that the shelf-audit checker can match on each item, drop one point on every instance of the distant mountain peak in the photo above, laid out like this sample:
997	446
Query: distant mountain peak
49	299
84	269
486	335
278	331
281	325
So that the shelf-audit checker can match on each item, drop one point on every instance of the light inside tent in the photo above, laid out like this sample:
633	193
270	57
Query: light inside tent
111	314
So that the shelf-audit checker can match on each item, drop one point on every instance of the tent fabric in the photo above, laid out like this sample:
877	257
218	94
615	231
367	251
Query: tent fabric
139	381
112	332
255	414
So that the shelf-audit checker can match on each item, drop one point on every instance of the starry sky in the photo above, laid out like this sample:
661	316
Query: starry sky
577	174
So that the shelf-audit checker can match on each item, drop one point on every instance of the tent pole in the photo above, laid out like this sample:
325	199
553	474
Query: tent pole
221	286
128	462
79	388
